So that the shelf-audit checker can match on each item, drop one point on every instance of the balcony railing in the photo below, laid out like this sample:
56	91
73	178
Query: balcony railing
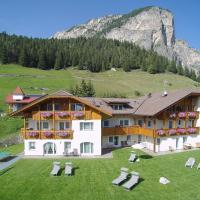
129	130
47	134
61	115
176	131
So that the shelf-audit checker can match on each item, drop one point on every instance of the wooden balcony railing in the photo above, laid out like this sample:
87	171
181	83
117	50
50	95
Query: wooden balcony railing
47	134
129	130
62	115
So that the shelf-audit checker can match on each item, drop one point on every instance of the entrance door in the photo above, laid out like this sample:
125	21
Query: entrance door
116	140
67	147
49	148
139	138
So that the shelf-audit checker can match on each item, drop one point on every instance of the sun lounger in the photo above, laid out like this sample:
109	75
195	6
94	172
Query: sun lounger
132	157
132	181
190	162
55	169
68	168
198	167
122	177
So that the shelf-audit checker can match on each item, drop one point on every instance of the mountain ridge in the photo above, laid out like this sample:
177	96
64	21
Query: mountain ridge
149	27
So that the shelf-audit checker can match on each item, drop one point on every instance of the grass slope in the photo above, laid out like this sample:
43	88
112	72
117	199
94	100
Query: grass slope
30	179
32	80
14	149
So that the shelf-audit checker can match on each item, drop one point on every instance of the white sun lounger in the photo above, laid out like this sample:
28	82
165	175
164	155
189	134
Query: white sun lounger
68	168
132	181
122	177
132	157
190	162
198	167
55	169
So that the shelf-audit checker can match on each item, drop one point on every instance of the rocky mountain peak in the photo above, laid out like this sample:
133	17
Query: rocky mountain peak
149	27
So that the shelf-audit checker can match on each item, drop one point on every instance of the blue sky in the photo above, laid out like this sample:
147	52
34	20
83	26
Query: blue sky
42	18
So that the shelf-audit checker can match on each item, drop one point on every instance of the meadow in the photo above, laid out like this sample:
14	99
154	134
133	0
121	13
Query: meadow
30	178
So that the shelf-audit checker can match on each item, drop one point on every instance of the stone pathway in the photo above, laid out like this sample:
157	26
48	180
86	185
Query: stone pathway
4	165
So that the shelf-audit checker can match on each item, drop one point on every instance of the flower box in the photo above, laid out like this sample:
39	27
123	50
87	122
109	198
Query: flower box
63	134
192	115
172	116
62	114
181	130
48	134
172	131
33	134
191	130
46	114
182	115
78	114
160	132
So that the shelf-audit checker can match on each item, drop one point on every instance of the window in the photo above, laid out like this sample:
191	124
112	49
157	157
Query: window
128	138
124	122
57	106
45	125
86	147
170	124
149	123
64	125
140	122
158	141
86	126
110	139
119	106
31	145
184	140
49	107
106	123
76	107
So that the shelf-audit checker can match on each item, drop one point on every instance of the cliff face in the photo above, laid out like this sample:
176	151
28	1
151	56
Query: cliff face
150	28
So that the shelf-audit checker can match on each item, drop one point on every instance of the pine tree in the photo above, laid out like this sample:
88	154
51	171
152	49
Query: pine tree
42	60
59	63
23	58
4	55
90	89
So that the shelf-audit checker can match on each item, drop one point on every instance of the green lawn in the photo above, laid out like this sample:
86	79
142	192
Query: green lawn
13	149
29	179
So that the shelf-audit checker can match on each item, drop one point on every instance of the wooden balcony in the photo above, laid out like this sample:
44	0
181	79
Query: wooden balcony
47	134
129	130
64	115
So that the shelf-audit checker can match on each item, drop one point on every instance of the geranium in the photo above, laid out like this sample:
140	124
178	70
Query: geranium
181	130
33	134
62	114
191	130
172	131
46	114
48	134
160	132
62	134
182	115
78	114
192	114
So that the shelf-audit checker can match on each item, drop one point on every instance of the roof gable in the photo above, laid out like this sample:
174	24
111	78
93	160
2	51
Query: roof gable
18	91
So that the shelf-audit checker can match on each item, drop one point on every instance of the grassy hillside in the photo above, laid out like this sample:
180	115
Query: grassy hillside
37	81
33	80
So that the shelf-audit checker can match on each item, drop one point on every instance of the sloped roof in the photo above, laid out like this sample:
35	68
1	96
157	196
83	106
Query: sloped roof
61	94
155	103
18	91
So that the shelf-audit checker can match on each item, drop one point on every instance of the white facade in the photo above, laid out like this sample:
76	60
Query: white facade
18	97
88	140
